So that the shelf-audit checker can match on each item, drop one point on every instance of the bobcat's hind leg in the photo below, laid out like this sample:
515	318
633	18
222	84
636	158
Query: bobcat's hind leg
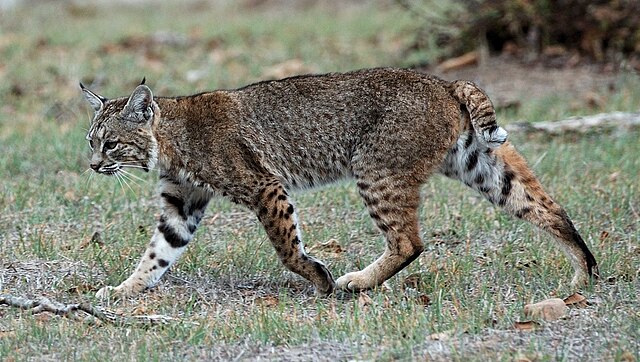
182	210
278	216
393	206
502	176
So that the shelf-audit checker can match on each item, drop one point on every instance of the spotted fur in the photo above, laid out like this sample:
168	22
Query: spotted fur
389	129
502	176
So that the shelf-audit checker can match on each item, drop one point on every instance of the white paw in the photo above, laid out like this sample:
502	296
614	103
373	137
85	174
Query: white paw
105	293
353	282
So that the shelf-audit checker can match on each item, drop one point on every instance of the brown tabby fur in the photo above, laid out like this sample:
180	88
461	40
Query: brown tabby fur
389	129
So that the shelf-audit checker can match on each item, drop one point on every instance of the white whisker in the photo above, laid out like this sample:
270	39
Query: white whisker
122	177
120	182
132	176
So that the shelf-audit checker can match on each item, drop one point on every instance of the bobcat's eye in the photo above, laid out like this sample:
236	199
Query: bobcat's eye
110	145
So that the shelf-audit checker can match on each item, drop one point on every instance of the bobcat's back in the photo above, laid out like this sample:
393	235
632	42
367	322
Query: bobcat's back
311	130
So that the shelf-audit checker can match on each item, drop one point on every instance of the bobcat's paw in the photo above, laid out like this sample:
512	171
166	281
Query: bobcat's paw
106	293
355	281
118	292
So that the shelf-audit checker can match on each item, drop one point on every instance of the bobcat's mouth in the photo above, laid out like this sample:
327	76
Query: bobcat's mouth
109	170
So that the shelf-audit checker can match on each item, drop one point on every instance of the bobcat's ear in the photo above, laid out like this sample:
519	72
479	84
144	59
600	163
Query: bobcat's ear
96	100
140	104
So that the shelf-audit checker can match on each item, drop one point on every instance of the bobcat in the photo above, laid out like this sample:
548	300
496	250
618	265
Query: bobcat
389	129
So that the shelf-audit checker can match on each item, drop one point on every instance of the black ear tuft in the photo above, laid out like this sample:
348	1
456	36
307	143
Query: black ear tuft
97	101
144	79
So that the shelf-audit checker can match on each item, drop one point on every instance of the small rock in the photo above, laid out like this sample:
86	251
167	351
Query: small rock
548	310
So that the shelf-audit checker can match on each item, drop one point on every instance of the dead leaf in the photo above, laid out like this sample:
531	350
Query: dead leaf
423	299
594	100
267	301
527	326
614	176
82	288
7	334
442	336
43	317
364	300
576	300
603	235
548	310
140	309
627	356
330	246
412	281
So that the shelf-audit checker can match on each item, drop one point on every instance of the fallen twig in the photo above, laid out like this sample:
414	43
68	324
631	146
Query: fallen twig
44	304
579	124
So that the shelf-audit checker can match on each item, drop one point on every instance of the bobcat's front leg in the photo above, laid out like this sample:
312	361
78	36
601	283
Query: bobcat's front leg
183	208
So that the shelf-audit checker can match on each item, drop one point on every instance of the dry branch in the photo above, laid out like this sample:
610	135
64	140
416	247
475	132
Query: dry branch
579	124
44	304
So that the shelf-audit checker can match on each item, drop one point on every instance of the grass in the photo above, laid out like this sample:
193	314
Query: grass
231	296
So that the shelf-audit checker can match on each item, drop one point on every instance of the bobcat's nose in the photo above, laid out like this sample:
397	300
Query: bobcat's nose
95	165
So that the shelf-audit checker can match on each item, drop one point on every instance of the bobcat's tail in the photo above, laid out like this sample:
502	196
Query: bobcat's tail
481	112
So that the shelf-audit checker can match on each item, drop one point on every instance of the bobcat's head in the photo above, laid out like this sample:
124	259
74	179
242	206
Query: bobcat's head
120	134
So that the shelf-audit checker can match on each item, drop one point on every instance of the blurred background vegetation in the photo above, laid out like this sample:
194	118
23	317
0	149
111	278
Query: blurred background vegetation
600	30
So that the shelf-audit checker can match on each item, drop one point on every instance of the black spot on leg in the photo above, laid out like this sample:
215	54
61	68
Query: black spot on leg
295	241
479	179
472	160
290	209
173	238
198	205
152	256
176	202
522	212
506	182
272	194
163	263
469	140
282	197
192	228
374	216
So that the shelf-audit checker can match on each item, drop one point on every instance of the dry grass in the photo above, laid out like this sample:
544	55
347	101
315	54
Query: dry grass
64	234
